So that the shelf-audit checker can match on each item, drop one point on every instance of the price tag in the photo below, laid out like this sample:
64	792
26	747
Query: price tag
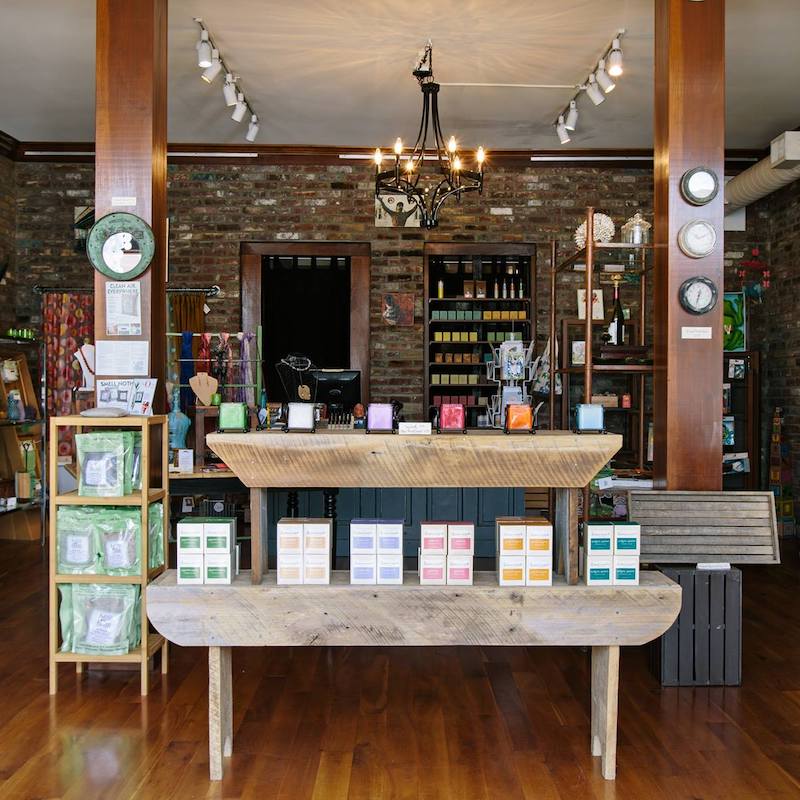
695	332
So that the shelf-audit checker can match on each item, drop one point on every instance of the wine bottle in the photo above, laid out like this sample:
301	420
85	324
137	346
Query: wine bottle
505	289
616	329
512	292
521	288
496	290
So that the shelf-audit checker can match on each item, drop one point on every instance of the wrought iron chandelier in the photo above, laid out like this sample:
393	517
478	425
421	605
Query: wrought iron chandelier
428	193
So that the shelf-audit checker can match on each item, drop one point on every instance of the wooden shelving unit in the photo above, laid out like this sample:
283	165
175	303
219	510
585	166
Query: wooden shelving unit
154	463
13	433
745	405
453	264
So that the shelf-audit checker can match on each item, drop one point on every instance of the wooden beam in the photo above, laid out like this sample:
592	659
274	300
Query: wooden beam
131	149
689	122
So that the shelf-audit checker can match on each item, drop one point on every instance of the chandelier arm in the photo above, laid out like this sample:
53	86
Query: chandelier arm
445	169
441	200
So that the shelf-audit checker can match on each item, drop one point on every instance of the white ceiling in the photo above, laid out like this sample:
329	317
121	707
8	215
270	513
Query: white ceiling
337	72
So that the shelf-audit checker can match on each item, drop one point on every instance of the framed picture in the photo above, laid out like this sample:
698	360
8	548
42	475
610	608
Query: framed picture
726	398
397	308
734	323
737	369
598	311
396	211
728	435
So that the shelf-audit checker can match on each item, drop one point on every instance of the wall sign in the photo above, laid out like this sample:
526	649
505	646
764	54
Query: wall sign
121	245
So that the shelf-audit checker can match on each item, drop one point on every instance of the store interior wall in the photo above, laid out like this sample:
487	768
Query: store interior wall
7	244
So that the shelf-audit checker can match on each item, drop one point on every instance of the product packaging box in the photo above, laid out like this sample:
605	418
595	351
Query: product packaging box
390	568
432	569
363	568
511	570
598	570
316	537
290	568
363	537
539	570
290	536
390	537
316	568
599	538
190	537
626	570
219	534
190	567
539	538
433	538
627	538
459	570
461	538
511	537
219	567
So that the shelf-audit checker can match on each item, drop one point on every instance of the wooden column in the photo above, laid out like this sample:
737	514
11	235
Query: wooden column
131	150
689	131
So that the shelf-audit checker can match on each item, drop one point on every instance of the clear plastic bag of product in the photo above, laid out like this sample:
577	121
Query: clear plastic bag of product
65	617
76	541
119	532
155	542
104	620
136	462
102	461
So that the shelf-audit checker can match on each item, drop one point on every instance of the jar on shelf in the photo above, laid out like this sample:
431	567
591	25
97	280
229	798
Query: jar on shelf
636	230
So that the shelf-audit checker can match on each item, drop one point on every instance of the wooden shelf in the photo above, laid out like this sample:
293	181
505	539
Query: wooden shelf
154	643
74	499
479	300
84	578
477	322
111	422
463	385
618	368
485	341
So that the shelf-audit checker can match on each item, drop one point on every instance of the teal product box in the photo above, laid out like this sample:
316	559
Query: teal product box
626	570
598	538
599	571
627	539
451	315
461	315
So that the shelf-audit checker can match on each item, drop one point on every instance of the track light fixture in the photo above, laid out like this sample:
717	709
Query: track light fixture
252	129
593	91
602	77
229	90
209	73
571	120
204	50
561	130
239	109
615	60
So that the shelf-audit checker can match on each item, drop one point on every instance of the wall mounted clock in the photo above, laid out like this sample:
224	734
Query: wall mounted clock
699	186
697	238
698	295
121	245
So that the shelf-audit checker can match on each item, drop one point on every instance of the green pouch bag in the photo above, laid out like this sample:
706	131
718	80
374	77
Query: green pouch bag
76	541
119	533
101	463
65	617
155	534
105	619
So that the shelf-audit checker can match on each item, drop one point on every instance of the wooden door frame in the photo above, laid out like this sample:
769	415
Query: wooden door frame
360	255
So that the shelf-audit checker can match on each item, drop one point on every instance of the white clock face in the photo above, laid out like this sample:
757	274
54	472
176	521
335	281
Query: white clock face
697	238
699	296
121	252
701	185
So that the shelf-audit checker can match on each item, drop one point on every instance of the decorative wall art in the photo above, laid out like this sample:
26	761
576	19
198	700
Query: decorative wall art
397	308
734	323
396	211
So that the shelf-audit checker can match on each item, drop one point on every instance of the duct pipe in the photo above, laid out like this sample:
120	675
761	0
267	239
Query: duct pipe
756	182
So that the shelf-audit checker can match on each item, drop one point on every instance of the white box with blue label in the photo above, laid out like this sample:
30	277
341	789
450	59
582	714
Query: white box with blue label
626	570
363	537
598	539
390	537
627	539
599	570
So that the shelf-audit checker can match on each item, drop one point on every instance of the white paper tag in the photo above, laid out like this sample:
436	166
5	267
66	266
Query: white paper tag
694	332
94	473
414	428
77	549
123	200
119	553
103	627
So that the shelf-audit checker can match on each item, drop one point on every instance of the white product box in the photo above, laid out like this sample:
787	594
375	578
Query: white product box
539	570
390	568
390	537
459	569
461	539
626	570
238	557
290	569
538	539
363	537
219	567
599	570
316	537
190	567
432	569
627	538
433	538
219	536
511	570
363	568
599	538
511	539
290	536
190	537
316	568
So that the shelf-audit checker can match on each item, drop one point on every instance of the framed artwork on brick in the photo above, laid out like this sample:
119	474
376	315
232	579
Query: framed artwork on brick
396	212
397	308
734	323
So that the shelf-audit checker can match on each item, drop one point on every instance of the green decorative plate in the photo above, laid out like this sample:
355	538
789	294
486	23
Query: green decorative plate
121	245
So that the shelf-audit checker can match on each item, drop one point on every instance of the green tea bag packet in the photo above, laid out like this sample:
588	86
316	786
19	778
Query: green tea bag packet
101	463
136	462
76	541
103	618
119	533
65	617
155	541
128	440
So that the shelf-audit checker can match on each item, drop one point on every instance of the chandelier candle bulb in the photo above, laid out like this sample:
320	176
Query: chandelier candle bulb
398	146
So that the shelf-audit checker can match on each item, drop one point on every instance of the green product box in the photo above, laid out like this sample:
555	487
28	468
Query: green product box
451	315
461	315
435	377
473	336
472	379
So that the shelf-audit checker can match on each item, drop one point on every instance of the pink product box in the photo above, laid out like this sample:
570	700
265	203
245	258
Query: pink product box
461	538
433	538
379	417
459	570
432	569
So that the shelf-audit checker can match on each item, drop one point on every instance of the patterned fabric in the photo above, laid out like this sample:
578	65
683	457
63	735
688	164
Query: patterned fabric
68	323
204	354
246	371
187	369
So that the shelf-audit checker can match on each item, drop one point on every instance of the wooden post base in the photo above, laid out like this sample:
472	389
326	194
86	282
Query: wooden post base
605	687
220	709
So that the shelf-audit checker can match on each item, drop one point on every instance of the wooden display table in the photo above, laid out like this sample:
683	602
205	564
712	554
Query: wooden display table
559	460
247	615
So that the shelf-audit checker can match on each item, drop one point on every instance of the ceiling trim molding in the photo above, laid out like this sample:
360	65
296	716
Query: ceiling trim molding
326	155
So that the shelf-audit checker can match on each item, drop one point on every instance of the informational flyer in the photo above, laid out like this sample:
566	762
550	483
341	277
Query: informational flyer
123	308
122	358
131	395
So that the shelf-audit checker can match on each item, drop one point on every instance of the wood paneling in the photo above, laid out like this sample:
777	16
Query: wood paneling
359	254
689	124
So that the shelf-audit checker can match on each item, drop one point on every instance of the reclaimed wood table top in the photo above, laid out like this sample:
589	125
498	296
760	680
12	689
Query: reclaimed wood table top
243	614
275	459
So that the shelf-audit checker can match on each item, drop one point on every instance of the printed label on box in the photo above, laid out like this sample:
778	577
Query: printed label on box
217	572
390	573
190	573
216	542
599	574
432	573
190	542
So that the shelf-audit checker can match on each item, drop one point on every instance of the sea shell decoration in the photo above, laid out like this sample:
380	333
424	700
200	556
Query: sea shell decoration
603	230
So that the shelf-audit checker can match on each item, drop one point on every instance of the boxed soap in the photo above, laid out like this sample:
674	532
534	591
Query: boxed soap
627	538
598	570
289	536
290	568
316	568
390	537
363	568
599	538
539	538
433	538
316	537
363	537
511	570
461	538
626	570
432	569
190	537
511	537
219	534
539	570
459	570
390	568
219	567
190	567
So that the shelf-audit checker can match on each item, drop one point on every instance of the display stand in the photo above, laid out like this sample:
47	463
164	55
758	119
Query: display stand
154	460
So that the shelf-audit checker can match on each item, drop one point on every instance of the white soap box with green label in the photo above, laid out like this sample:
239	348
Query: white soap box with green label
627	538
190	567
219	567
626	570
190	537
599	571
219	534
599	538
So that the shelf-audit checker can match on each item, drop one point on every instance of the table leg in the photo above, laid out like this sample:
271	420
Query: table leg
605	688
259	523
566	533
220	709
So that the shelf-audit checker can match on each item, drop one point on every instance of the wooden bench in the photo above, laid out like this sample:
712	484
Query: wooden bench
259	615
696	527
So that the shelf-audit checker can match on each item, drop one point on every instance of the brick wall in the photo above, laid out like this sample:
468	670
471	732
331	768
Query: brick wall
214	208
7	225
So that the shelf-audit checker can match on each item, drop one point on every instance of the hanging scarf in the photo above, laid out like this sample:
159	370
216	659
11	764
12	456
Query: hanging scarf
187	369
248	392
204	353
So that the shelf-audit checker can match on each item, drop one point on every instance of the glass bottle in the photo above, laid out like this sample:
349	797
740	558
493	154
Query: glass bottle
496	289
505	289
616	328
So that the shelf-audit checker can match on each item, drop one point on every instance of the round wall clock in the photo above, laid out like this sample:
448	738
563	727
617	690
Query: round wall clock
697	238
698	295
699	186
121	245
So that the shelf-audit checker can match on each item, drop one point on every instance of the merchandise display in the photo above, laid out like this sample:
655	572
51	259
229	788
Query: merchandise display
105	463
525	551
304	550
598	570
206	550
376	551
432	569
611	553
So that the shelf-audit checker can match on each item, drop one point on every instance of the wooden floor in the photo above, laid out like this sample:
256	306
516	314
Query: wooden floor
383	723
